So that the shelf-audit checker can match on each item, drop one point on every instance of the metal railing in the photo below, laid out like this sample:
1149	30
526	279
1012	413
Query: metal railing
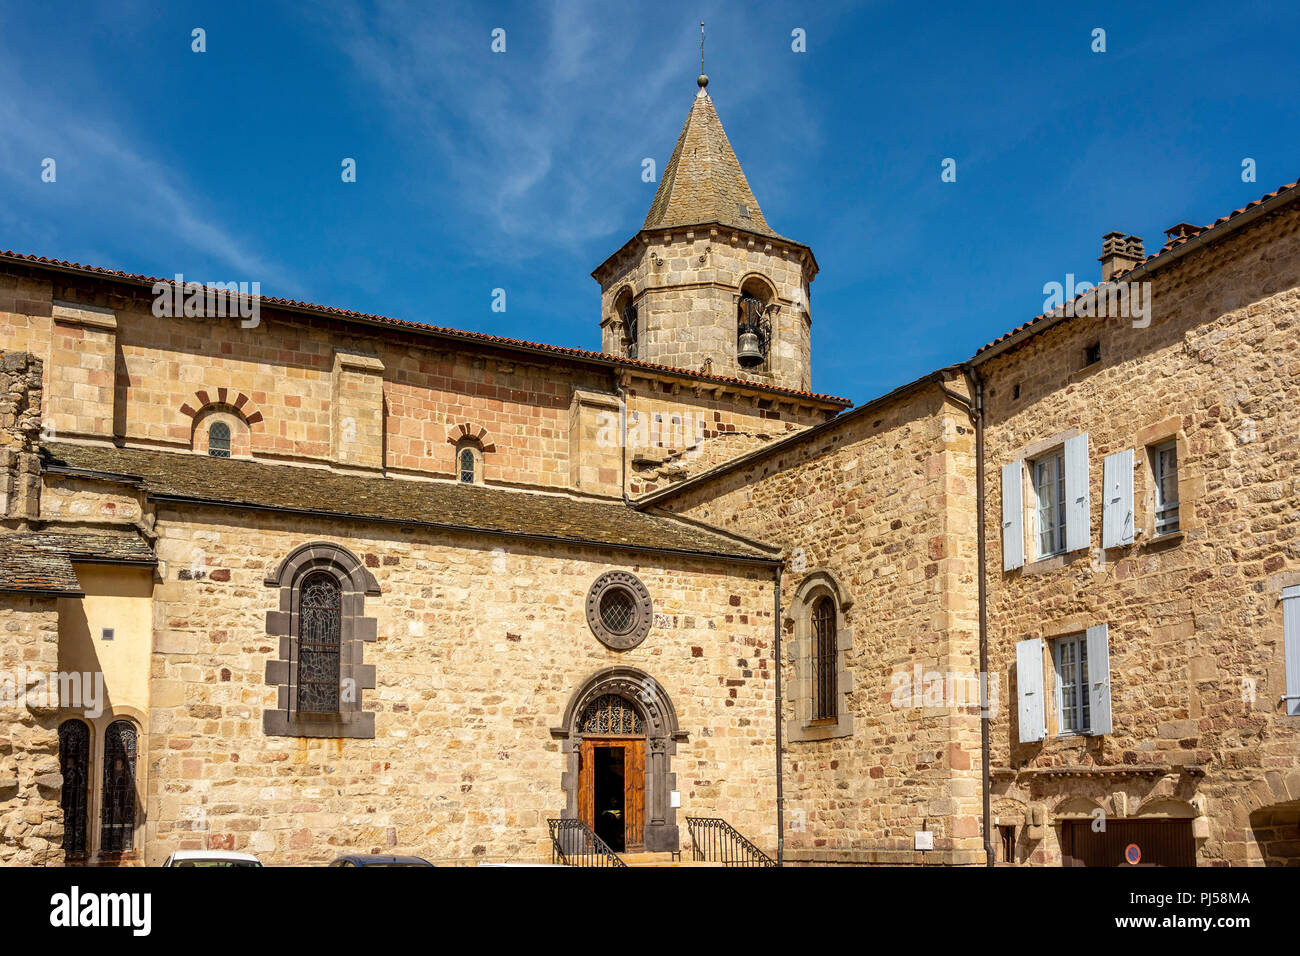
573	843
717	841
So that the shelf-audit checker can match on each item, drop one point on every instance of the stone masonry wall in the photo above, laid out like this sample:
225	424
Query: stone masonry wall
1195	621
285	372
20	425
676	432
31	816
885	502
481	644
685	284
305	389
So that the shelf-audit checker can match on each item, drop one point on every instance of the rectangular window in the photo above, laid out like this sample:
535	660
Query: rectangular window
1049	488
1008	835
1164	470
1072	704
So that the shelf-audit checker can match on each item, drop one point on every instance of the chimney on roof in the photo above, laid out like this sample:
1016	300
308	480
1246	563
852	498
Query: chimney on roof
1184	230
1119	253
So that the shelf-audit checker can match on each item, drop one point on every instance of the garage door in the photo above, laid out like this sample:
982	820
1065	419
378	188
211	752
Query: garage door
1129	843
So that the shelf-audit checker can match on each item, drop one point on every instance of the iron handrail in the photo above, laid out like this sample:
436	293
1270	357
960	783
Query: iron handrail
573	843
715	840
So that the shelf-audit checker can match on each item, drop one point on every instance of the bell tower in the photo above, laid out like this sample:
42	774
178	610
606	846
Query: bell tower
707	285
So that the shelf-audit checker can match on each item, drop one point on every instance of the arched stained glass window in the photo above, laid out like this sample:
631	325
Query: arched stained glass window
117	822
319	625
825	659
74	762
219	440
611	715
468	466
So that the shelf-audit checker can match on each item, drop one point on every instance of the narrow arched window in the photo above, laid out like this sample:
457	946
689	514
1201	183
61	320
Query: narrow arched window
219	440
825	659
319	625
625	326
117	822
468	466
630	331
74	762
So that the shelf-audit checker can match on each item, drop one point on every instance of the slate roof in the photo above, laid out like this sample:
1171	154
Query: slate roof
177	476
42	562
703	181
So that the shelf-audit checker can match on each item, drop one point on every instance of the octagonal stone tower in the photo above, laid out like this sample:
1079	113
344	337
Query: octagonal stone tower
706	268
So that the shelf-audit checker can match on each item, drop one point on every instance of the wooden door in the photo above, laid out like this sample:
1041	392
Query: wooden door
633	786
587	782
634	794
1156	843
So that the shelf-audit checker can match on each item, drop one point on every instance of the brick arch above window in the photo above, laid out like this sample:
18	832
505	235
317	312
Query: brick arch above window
237	402
815	586
470	431
236	439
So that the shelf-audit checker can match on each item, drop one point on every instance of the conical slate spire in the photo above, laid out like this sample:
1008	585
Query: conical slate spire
703	181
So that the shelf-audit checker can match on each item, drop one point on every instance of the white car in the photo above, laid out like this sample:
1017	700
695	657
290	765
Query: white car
211	858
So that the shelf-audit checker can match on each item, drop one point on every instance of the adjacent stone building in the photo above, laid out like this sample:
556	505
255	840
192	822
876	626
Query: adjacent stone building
327	582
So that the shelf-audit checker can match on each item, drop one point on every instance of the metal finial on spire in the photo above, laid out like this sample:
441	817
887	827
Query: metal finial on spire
703	80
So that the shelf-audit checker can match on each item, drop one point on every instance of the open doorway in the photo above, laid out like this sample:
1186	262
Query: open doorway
609	796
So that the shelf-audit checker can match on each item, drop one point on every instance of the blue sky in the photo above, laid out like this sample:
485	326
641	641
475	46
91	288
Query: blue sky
522	170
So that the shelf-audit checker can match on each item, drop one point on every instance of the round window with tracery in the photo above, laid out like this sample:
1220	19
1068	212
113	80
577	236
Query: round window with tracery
619	610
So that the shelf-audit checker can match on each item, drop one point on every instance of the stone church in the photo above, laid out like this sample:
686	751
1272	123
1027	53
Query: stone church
335	582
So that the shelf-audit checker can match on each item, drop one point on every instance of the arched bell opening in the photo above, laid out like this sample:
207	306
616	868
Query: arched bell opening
754	308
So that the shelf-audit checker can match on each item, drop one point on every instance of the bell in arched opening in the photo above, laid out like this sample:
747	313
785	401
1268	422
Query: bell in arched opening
751	344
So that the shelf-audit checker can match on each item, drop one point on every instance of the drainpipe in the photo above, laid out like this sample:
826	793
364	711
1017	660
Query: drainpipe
776	649
976	411
986	717
622	437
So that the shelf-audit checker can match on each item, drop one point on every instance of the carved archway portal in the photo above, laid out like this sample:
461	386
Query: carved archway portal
619	734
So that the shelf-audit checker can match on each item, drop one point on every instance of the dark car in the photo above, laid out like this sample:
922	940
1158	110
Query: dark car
378	859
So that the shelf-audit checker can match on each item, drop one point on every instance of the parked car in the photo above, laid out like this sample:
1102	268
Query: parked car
211	858
379	859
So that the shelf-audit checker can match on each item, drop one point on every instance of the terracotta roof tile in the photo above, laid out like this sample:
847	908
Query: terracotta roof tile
481	338
1179	234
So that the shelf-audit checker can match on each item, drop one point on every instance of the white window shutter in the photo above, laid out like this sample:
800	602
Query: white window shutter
1078	516
1099	680
1117	503
1013	516
1291	642
1029	690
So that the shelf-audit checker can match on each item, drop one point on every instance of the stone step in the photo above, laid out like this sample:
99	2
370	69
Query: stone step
662	859
675	863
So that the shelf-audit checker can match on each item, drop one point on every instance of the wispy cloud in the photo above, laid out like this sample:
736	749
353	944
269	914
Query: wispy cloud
545	141
108	179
